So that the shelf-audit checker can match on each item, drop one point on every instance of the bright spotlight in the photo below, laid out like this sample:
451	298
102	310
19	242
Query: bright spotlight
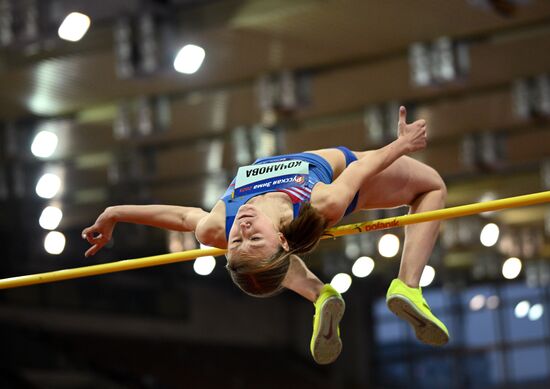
489	235
428	275
521	309
535	312
48	185
204	265
341	282
388	245
54	243
477	302
189	59
50	218
511	268
44	144
362	267
74	27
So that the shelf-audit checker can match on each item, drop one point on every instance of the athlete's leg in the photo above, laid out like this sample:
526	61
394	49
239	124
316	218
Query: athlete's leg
420	238
408	182
405	182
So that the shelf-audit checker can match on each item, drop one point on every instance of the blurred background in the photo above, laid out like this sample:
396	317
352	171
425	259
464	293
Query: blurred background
159	101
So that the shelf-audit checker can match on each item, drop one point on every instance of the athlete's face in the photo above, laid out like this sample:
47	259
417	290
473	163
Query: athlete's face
253	234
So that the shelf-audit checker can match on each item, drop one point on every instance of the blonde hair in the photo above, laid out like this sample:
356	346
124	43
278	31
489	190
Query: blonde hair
264	277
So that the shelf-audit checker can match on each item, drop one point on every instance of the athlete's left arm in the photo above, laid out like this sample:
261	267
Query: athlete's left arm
332	200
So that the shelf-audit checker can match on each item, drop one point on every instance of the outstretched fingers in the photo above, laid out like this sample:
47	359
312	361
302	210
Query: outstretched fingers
97	243
95	238
95	248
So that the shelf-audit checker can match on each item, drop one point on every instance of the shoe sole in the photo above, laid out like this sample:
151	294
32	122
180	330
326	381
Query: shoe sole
425	329
326	350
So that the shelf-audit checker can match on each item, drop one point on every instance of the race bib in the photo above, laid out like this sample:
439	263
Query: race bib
269	176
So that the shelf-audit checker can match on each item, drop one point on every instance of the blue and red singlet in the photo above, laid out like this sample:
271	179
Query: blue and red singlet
293	174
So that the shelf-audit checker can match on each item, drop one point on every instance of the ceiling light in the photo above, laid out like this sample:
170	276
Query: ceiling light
521	309
204	265
511	268
74	27
489	235
341	282
189	59
388	245
362	267
48	185
54	243
428	275
488	196
44	144
535	312
477	302
50	218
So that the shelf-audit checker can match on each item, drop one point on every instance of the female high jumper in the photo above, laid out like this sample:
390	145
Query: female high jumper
278	208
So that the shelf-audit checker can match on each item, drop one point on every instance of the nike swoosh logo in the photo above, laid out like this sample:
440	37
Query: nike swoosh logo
329	334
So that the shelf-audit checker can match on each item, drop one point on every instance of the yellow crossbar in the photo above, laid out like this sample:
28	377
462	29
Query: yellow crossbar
440	214
399	221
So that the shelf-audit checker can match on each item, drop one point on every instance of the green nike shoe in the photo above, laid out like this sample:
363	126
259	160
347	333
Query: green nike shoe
329	309
409	304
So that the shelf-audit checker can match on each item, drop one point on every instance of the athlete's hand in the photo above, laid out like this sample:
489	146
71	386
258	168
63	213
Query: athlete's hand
100	232
413	134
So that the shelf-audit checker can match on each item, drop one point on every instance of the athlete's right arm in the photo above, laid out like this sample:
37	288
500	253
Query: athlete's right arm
170	217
